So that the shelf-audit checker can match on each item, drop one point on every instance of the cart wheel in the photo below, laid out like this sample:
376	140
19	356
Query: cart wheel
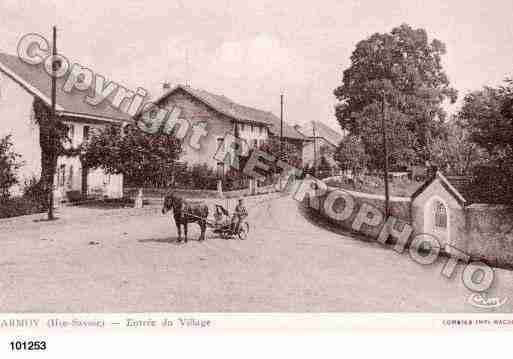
243	231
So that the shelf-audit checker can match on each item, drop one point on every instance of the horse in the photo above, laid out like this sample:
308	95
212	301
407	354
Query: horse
185	212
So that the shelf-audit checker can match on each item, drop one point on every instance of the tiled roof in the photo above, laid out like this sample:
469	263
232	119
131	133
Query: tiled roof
238	112
37	82
321	130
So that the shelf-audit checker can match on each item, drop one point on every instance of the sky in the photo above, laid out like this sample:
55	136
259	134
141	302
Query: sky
253	51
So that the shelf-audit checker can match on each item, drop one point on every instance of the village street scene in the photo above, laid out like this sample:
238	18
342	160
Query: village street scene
362	165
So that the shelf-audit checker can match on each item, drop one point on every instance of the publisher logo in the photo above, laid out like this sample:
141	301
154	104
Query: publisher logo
482	300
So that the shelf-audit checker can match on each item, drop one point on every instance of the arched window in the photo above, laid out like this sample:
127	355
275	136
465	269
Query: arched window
440	213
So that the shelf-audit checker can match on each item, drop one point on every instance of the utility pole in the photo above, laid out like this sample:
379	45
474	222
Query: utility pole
281	142
315	149
281	126
385	150
53	116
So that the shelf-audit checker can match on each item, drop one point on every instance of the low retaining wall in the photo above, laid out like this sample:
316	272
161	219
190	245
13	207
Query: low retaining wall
486	233
157	194
399	208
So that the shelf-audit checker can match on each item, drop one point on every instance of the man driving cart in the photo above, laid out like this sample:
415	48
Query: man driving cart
239	215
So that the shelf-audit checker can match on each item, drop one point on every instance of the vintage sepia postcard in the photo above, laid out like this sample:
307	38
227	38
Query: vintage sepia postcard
191	165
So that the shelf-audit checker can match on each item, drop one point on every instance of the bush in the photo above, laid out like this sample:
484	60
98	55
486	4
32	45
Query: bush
74	196
34	192
235	180
18	206
198	176
491	184
9	164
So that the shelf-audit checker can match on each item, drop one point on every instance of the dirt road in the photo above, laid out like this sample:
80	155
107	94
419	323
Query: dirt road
127	260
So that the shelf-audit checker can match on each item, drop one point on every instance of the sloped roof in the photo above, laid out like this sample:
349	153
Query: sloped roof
227	107
321	130
35	80
446	184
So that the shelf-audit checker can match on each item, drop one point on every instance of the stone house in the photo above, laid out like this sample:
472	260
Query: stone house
221	116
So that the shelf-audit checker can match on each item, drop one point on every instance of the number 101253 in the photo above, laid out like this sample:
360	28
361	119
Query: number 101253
27	345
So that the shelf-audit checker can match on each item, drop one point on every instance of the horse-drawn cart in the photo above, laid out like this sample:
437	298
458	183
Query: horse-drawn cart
185	212
223	226
227	231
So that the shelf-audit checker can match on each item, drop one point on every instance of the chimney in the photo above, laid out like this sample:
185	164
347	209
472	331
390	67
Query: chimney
166	86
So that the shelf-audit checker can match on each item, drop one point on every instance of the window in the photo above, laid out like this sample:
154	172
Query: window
86	133
241	127
70	177
61	175
71	131
254	143
220	143
252	128
440	213
220	169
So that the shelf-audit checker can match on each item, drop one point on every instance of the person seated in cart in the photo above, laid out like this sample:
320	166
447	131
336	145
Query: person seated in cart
221	216
238	215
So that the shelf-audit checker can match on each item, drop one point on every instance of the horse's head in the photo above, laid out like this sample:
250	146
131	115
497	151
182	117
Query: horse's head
172	202
169	200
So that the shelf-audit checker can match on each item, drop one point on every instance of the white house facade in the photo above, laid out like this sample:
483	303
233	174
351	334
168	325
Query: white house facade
20	84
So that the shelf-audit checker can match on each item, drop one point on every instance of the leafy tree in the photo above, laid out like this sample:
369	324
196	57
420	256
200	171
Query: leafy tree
9	164
291	153
351	155
454	153
406	69
139	156
488	115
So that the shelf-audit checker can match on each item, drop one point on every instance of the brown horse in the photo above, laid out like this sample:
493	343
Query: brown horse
185	212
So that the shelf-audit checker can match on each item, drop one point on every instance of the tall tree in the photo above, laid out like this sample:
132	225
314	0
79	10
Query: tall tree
406	68
139	156
454	153
9	164
350	155
488	116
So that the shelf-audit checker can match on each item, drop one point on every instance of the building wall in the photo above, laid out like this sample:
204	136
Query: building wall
456	217
217	126
16	118
68	176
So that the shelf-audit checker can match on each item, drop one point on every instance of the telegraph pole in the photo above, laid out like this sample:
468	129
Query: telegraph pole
281	126
54	118
385	150
315	149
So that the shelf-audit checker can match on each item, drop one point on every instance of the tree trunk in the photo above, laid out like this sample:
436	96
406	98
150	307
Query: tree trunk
48	169
85	172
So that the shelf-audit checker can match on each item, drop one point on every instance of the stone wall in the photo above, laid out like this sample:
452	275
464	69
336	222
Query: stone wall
489	233
399	208
484	232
